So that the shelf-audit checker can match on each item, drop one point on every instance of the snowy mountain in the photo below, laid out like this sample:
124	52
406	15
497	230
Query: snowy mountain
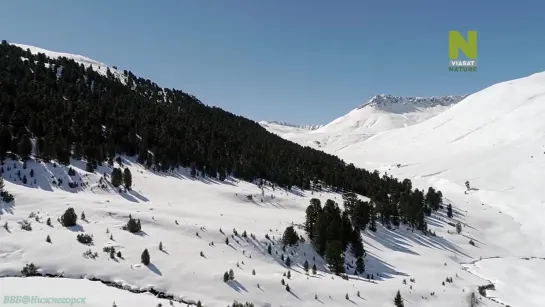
279	123
381	113
494	139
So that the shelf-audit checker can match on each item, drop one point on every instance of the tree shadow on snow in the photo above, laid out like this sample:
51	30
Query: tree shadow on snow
6	207
77	228
236	286
154	269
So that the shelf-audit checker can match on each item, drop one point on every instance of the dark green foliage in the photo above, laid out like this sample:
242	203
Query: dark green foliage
290	237
127	178
398	300
29	270
117	177
69	218
71	172
335	257
84	238
306	266
6	196
133	225
225	277
357	244
83	114
145	257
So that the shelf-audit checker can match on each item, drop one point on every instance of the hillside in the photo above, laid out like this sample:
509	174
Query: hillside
199	175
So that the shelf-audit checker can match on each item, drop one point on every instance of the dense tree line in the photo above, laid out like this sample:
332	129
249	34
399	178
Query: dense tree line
71	111
332	230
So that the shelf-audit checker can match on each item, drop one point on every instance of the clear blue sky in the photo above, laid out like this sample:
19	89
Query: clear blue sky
302	61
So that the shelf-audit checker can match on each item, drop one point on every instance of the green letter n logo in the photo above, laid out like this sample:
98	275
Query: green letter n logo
456	41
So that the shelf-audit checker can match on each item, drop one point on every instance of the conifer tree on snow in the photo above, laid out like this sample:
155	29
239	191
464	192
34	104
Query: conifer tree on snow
145	257
231	274
117	177
127	178
306	266
398	300
314	269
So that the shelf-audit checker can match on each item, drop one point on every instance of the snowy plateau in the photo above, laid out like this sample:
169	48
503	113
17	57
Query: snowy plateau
495	139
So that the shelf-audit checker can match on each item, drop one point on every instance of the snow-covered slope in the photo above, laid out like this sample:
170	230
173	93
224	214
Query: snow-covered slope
495	140
186	215
87	62
381	113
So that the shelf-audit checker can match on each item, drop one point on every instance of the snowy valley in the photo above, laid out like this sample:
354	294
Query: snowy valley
198	227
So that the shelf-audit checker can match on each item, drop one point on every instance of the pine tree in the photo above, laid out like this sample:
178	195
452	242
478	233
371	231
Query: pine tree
227	241
160	246
82	216
288	288
357	243
2	185
127	178
290	237
269	249
69	218
48	239
335	257
314	269
398	301
306	266
225	277
117	177
145	257
288	275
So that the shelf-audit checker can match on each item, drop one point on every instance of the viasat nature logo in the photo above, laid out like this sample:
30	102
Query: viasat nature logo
457	43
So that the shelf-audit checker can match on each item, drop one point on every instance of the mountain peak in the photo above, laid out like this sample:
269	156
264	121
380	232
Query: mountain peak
384	100
303	127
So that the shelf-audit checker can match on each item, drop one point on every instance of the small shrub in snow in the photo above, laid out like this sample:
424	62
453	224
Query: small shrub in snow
48	239
48	221
235	232
288	288
85	238
119	254
227	241
83	217
69	218
25	225
253	272
160	246
6	196
89	254
226	277
231	274
282	282
314	269
108	249
289	275
471	242
29	270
